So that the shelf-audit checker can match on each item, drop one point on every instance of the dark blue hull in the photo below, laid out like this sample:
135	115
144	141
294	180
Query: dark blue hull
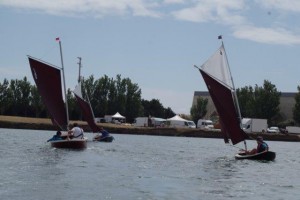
268	156
105	139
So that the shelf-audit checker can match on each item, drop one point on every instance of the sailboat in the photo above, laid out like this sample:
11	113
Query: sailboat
218	79
48	79
87	110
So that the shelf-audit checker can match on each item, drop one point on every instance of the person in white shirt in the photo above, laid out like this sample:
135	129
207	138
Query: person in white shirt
75	132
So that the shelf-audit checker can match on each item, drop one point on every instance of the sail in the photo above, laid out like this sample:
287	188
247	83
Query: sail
49	84
224	103
86	109
217	67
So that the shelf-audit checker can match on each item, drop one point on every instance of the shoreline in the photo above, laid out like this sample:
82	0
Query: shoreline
45	124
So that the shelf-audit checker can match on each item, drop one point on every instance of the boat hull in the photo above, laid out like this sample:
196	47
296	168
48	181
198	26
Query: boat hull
105	139
268	156
70	144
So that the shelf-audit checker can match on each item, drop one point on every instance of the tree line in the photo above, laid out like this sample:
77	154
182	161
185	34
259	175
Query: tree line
256	102
107	96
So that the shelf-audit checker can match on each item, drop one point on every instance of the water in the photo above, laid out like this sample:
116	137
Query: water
142	167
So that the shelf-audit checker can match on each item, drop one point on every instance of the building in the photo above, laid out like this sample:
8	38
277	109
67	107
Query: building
287	103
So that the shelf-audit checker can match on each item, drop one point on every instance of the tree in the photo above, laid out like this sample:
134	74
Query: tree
73	109
98	93
262	102
199	110
153	108
296	110
36	104
246	101
168	113
267	100
19	96
133	101
108	96
4	97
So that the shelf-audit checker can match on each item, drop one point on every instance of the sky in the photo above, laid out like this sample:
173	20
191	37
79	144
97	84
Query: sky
155	43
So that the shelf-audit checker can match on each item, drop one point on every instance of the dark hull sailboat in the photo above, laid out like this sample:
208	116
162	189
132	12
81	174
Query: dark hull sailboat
88	114
217	77
266	155
70	144
49	84
104	139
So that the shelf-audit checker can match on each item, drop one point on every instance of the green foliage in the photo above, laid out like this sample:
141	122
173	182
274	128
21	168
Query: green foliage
106	95
37	107
199	110
296	109
4	97
262	102
155	109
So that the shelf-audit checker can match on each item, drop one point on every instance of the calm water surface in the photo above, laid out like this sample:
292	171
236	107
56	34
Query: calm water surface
142	167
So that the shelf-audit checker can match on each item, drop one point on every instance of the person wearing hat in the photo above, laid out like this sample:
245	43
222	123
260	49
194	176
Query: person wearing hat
261	146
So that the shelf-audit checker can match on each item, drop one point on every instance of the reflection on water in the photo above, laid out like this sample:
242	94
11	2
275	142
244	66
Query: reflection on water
141	167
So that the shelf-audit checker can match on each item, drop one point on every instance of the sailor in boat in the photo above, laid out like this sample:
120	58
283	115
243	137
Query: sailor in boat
75	132
261	146
104	134
56	137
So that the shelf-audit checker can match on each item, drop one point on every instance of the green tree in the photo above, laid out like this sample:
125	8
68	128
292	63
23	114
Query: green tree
19	96
4	97
133	101
121	94
108	96
199	110
36	104
168	113
262	102
267	100
246	101
153	108
296	109
73	108
98	91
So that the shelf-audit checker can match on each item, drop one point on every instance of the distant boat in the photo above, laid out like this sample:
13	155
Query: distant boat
87	110
217	76
49	84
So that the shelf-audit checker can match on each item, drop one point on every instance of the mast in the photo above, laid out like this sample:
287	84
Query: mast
234	91
79	83
64	81
79	63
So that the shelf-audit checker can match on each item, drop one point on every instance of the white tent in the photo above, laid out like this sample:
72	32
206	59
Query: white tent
176	118
118	116
177	121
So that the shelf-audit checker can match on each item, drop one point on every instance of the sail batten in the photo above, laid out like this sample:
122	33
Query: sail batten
49	84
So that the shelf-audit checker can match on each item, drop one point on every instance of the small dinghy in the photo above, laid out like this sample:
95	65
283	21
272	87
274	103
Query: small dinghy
105	139
217	77
266	155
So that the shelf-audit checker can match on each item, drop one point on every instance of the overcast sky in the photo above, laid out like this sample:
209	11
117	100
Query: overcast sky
155	43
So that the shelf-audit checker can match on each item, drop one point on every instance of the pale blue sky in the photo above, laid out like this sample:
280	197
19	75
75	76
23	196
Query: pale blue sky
155	43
